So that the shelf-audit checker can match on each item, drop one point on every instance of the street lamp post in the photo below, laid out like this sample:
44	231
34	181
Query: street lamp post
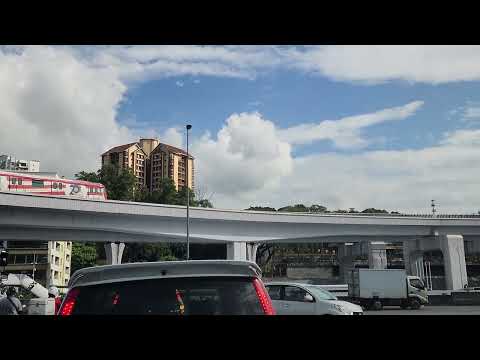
188	198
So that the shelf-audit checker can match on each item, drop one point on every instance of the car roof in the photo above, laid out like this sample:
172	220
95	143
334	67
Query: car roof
163	269
286	283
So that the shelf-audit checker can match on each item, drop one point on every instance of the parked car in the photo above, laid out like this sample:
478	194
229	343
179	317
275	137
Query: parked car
306	299
200	287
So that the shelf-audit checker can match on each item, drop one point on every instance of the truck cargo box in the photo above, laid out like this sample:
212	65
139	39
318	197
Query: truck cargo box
376	283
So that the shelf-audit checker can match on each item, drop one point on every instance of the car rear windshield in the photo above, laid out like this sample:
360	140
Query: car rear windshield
171	296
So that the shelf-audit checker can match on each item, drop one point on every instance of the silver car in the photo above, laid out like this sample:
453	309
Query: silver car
305	299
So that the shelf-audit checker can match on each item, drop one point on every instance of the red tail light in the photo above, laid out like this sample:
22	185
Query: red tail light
263	297
69	303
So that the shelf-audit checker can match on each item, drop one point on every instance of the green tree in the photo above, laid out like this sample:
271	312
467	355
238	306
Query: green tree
83	255
181	198
374	211
204	203
317	208
261	208
120	183
165	193
294	208
88	176
148	252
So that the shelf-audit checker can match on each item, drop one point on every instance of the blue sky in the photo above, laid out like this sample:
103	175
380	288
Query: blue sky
390	127
290	98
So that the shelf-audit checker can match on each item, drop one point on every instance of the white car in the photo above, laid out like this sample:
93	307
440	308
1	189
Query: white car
305	299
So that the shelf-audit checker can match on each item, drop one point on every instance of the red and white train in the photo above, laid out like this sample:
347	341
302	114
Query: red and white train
50	186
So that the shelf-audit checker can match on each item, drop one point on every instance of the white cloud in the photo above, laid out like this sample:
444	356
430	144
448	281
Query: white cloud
380	63
472	112
368	64
462	138
196	81
137	63
345	132
172	136
248	163
57	109
246	156
394	180
179	83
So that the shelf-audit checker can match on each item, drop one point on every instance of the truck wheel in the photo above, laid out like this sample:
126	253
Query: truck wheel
377	305
415	304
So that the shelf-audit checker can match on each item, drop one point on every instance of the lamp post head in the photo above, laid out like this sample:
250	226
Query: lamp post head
189	127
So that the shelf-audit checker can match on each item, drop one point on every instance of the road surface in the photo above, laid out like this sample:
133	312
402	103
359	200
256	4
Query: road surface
429	310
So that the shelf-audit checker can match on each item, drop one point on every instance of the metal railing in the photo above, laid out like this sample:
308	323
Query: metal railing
431	216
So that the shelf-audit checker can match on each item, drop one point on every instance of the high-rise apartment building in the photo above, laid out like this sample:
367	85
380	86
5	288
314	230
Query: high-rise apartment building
171	162
151	161
128	156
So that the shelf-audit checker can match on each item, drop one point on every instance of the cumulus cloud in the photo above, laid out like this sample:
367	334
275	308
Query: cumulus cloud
403	180
346	132
245	157
172	136
57	109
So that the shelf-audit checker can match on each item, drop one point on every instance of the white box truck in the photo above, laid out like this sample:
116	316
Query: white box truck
375	288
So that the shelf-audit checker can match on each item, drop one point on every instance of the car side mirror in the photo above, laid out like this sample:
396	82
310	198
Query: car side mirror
308	298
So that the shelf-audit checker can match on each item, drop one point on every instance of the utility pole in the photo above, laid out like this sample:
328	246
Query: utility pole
188	198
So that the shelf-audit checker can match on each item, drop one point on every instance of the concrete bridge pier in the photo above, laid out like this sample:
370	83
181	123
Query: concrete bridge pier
453	250
346	254
377	255
114	252
413	256
454	261
242	251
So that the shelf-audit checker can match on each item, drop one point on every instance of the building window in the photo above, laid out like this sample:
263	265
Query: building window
37	183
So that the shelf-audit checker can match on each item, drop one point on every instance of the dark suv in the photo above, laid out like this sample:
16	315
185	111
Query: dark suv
199	287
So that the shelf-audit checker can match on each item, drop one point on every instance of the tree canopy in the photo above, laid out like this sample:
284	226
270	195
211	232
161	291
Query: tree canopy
83	255
120	183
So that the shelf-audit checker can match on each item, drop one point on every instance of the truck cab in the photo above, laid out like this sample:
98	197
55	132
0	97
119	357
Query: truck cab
416	290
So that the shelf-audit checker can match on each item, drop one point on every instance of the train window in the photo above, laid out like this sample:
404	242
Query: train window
20	181
37	183
60	186
55	185
14	181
